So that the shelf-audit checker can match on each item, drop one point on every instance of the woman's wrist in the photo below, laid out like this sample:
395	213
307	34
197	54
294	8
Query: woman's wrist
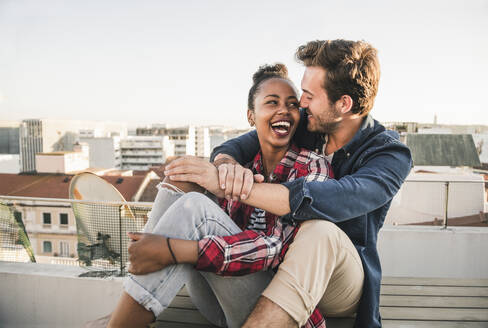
185	251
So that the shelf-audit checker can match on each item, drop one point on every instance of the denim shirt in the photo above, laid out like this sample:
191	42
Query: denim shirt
369	171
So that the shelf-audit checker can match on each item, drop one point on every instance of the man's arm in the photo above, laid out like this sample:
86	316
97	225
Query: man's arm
374	184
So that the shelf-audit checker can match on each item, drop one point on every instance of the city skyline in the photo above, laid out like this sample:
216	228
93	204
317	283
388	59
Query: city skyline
191	62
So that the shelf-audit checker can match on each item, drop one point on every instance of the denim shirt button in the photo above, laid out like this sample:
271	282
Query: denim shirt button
348	154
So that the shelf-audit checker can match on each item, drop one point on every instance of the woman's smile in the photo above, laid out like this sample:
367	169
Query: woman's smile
282	127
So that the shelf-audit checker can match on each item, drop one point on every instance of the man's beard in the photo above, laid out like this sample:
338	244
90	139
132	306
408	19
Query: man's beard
326	125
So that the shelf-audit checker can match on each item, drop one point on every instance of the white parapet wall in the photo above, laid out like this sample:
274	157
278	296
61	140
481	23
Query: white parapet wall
47	295
425	251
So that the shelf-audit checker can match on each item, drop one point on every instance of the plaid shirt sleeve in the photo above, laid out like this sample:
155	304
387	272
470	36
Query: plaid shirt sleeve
243	253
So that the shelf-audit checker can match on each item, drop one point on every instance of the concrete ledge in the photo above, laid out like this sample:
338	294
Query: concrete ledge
46	295
422	251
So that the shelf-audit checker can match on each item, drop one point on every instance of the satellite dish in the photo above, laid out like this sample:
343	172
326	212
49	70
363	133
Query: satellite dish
102	228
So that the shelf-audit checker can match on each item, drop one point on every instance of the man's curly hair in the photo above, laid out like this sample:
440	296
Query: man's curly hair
351	68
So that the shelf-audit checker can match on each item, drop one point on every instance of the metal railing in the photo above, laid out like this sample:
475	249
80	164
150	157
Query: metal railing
447	184
102	225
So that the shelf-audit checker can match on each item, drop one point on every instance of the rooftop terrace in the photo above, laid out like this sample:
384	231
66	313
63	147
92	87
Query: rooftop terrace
433	276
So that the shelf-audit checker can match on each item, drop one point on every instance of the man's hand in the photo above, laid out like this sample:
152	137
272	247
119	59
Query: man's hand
148	253
197	170
237	181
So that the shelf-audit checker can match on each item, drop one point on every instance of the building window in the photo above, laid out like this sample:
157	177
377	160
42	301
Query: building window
63	249
63	219
47	247
46	218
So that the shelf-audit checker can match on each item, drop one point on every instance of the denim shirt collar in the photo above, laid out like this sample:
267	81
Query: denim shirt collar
367	127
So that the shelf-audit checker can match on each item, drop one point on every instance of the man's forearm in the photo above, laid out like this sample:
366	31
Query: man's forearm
271	197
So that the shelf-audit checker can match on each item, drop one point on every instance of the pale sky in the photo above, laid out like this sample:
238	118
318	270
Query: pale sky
180	62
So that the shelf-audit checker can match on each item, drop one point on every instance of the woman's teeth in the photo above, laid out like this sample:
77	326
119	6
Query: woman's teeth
281	126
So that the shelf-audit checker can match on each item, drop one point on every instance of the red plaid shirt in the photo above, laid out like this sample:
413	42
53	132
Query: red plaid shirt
265	238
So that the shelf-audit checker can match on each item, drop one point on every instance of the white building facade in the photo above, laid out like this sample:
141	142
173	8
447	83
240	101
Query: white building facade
45	136
63	162
104	152
142	152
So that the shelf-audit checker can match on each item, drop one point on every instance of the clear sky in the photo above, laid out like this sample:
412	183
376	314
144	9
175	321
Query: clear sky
181	62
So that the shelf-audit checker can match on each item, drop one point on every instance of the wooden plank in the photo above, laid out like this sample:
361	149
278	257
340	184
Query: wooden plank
434	301
440	314
348	323
183	292
409	287
428	324
182	302
169	324
339	322
434	281
433	290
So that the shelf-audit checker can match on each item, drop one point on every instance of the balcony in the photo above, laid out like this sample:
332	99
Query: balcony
433	276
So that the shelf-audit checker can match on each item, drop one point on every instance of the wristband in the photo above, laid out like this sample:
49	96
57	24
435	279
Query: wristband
171	251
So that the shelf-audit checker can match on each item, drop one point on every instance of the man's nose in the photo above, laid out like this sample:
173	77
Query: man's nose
303	102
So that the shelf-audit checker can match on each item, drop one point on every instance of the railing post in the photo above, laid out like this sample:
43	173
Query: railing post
120	240
446	202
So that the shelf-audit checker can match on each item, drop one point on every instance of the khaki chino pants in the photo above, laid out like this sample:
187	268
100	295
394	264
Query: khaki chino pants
321	267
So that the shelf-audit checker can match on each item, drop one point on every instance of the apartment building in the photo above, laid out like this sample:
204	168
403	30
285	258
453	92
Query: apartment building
220	134
142	152
46	135
187	140
9	147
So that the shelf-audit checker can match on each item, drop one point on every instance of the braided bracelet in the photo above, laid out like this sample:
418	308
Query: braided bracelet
171	251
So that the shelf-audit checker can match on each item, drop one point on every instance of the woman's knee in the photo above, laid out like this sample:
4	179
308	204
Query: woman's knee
183	186
188	211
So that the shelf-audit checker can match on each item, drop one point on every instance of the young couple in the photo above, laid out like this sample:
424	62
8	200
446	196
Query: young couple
283	251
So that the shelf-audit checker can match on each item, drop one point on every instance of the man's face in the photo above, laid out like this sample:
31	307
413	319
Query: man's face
323	116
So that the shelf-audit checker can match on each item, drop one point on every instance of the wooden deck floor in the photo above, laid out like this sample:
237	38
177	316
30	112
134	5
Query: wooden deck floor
405	303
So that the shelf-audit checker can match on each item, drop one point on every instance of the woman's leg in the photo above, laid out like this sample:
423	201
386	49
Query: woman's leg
168	193
192	217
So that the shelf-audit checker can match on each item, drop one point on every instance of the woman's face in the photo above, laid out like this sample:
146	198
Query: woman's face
275	113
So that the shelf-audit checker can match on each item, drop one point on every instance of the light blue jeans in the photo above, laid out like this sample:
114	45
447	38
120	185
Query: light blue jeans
224	301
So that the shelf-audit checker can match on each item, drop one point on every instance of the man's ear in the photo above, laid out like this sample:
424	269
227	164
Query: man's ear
250	117
345	104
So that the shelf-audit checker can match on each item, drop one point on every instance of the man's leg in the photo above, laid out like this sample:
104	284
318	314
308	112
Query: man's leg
321	261
267	314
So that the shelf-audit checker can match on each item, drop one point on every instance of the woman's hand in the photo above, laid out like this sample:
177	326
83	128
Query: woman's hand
197	170
148	253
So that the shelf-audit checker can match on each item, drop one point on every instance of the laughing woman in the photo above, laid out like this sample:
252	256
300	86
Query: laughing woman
190	240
